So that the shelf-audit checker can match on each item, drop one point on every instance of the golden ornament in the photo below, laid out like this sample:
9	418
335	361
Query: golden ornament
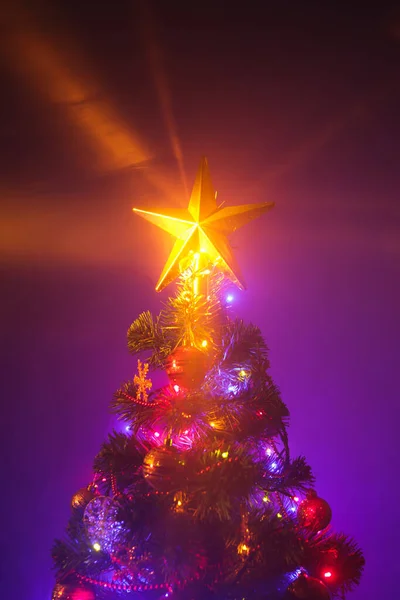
82	498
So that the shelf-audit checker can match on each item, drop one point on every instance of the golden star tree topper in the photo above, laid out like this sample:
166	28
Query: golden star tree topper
202	231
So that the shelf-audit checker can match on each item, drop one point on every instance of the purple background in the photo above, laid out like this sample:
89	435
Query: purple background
296	107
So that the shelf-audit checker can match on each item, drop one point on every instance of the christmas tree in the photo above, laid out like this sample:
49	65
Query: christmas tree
201	498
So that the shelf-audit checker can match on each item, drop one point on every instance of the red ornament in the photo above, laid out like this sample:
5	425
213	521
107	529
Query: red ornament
314	512
309	588
161	467
186	367
70	591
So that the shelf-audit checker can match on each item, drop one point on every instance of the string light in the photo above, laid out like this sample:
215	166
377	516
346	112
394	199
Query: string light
243	549
204	344
96	547
225	454
229	298
217	465
176	388
328	574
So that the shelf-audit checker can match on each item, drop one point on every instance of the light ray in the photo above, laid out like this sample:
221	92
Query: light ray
155	61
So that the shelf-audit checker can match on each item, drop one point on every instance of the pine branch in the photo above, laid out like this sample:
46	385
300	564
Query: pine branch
223	482
242	342
298	476
120	457
187	319
278	544
190	318
146	334
132	411
74	554
338	553
164	411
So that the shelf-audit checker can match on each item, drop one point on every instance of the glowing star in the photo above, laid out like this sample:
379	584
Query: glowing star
143	384
202	231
